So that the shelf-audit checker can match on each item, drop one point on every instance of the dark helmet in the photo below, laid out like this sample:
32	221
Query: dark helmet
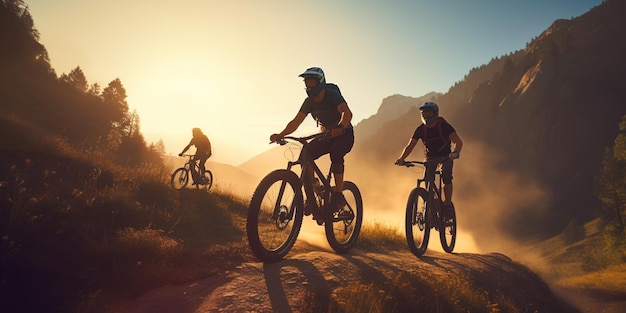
196	131
429	106
318	74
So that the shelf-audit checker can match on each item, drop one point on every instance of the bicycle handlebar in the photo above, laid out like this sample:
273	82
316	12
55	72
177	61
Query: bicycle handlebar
302	140
412	163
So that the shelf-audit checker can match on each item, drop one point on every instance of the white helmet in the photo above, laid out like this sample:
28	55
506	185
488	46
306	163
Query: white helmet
429	106
318	74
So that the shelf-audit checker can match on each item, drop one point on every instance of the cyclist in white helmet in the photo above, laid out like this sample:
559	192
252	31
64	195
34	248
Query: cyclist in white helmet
330	110
437	137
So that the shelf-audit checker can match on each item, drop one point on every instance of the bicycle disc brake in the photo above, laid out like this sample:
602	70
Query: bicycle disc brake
283	217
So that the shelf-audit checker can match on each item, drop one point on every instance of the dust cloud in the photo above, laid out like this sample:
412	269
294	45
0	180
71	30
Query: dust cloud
488	197
485	196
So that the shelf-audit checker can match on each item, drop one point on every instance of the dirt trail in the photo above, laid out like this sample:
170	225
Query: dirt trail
284	286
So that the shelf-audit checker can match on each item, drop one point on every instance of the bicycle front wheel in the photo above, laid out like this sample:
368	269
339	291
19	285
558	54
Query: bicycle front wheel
275	215
343	227
417	223
447	233
180	178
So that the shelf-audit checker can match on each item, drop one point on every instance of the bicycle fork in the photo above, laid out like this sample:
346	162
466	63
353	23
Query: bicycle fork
277	206
432	203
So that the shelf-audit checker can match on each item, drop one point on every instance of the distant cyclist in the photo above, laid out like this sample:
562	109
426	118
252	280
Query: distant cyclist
437	137
331	111
203	148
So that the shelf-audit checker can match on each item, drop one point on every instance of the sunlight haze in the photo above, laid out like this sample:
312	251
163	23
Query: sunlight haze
231	67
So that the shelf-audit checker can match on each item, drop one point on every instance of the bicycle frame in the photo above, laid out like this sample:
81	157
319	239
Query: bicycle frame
306	184
433	215
192	166
433	187
272	231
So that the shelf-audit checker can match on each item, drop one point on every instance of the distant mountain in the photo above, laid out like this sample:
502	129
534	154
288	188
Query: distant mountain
274	158
225	176
535	123
390	109
540	117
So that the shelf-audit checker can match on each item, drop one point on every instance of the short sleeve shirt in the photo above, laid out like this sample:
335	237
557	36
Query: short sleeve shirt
325	111
436	146
202	144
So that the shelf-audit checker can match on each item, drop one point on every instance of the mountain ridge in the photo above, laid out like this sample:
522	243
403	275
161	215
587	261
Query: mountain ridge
545	115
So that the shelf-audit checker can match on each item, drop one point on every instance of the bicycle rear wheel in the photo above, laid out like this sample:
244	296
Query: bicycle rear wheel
417	223
207	181
447	233
343	227
275	215
180	178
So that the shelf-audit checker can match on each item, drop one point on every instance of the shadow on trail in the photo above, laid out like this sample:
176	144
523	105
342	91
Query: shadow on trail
274	282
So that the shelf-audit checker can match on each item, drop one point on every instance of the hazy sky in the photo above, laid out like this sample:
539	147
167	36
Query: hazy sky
231	67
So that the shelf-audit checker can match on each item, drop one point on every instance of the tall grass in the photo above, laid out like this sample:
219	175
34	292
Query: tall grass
378	235
77	232
409	292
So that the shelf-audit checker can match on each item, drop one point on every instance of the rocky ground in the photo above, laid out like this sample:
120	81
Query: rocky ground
292	284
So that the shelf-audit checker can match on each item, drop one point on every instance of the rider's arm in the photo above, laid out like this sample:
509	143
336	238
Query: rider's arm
407	150
290	128
187	146
456	140
346	114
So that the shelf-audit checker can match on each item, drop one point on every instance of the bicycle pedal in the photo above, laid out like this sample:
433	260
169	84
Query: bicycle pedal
318	220
344	215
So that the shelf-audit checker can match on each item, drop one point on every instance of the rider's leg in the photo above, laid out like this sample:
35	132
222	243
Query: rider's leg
446	177
203	160
338	182
196	158
339	148
447	193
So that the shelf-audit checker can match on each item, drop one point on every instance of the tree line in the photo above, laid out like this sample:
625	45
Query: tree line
610	188
85	115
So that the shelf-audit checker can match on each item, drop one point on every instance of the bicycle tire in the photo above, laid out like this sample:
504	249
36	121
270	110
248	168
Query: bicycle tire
274	218
342	233
417	223
180	178
207	182
447	233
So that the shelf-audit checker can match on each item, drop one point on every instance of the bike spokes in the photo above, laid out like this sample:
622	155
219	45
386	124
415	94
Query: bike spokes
447	231
274	215
343	227
417	222
180	178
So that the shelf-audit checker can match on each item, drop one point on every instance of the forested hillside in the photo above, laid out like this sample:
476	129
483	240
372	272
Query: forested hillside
87	116
545	114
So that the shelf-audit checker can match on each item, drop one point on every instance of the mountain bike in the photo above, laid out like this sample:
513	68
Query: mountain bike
424	210
277	208
180	177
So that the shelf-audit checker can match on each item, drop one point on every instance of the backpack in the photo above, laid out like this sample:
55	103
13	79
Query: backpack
333	86
443	139
328	86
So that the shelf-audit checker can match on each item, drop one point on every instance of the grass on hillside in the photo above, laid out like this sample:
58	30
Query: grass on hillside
79	232
582	265
610	280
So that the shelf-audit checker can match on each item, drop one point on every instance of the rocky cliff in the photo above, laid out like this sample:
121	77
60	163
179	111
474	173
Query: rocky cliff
546	112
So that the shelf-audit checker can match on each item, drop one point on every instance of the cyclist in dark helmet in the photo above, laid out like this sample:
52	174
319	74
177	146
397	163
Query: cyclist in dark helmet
332	113
437	137
203	148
